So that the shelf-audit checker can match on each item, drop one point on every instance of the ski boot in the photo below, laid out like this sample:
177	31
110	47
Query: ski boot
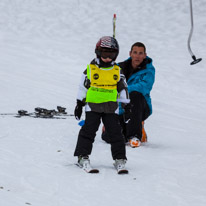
119	164
84	163
134	142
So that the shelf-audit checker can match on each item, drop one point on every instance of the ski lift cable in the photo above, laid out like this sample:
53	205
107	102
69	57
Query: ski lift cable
190	36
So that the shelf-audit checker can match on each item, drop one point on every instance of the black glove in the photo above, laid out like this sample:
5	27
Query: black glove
127	113
78	109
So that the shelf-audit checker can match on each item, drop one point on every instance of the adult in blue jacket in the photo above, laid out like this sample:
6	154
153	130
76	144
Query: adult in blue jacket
140	76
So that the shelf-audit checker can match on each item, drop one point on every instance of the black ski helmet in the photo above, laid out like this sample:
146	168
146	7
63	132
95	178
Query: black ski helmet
107	43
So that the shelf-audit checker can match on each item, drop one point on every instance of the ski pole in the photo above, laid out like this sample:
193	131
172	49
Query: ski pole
114	24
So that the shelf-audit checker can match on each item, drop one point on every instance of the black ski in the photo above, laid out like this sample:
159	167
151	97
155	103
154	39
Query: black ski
41	113
122	171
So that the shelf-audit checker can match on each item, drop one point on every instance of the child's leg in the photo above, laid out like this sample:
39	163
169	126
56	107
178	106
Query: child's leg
87	134
112	126
105	136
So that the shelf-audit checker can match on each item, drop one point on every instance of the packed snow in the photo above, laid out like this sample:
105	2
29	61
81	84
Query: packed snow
45	46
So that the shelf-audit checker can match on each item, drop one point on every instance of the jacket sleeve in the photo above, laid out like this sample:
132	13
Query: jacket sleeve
143	84
83	87
123	95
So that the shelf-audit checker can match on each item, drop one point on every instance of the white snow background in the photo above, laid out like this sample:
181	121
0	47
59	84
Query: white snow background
44	47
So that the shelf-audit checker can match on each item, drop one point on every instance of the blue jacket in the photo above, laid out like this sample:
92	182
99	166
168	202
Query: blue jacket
140	80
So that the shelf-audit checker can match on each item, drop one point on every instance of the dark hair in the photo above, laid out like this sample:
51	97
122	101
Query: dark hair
139	44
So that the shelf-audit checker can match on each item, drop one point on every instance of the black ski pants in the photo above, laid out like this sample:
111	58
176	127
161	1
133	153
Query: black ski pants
140	112
88	132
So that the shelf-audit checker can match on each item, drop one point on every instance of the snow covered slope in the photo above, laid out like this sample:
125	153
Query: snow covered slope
44	47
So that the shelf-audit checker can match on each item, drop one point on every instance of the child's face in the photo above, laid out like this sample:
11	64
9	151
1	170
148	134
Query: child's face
106	60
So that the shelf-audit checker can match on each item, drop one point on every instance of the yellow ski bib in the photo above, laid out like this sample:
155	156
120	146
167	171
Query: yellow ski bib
103	87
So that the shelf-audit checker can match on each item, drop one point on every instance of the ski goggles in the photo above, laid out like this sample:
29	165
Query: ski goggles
107	54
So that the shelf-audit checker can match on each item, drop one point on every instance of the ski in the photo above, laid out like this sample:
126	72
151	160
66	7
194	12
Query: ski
88	168
41	113
39	116
122	171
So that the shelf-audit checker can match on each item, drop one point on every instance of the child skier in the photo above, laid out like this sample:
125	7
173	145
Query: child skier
102	87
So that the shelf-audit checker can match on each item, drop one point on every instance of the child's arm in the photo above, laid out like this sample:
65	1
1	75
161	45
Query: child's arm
83	87
81	96
122	90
